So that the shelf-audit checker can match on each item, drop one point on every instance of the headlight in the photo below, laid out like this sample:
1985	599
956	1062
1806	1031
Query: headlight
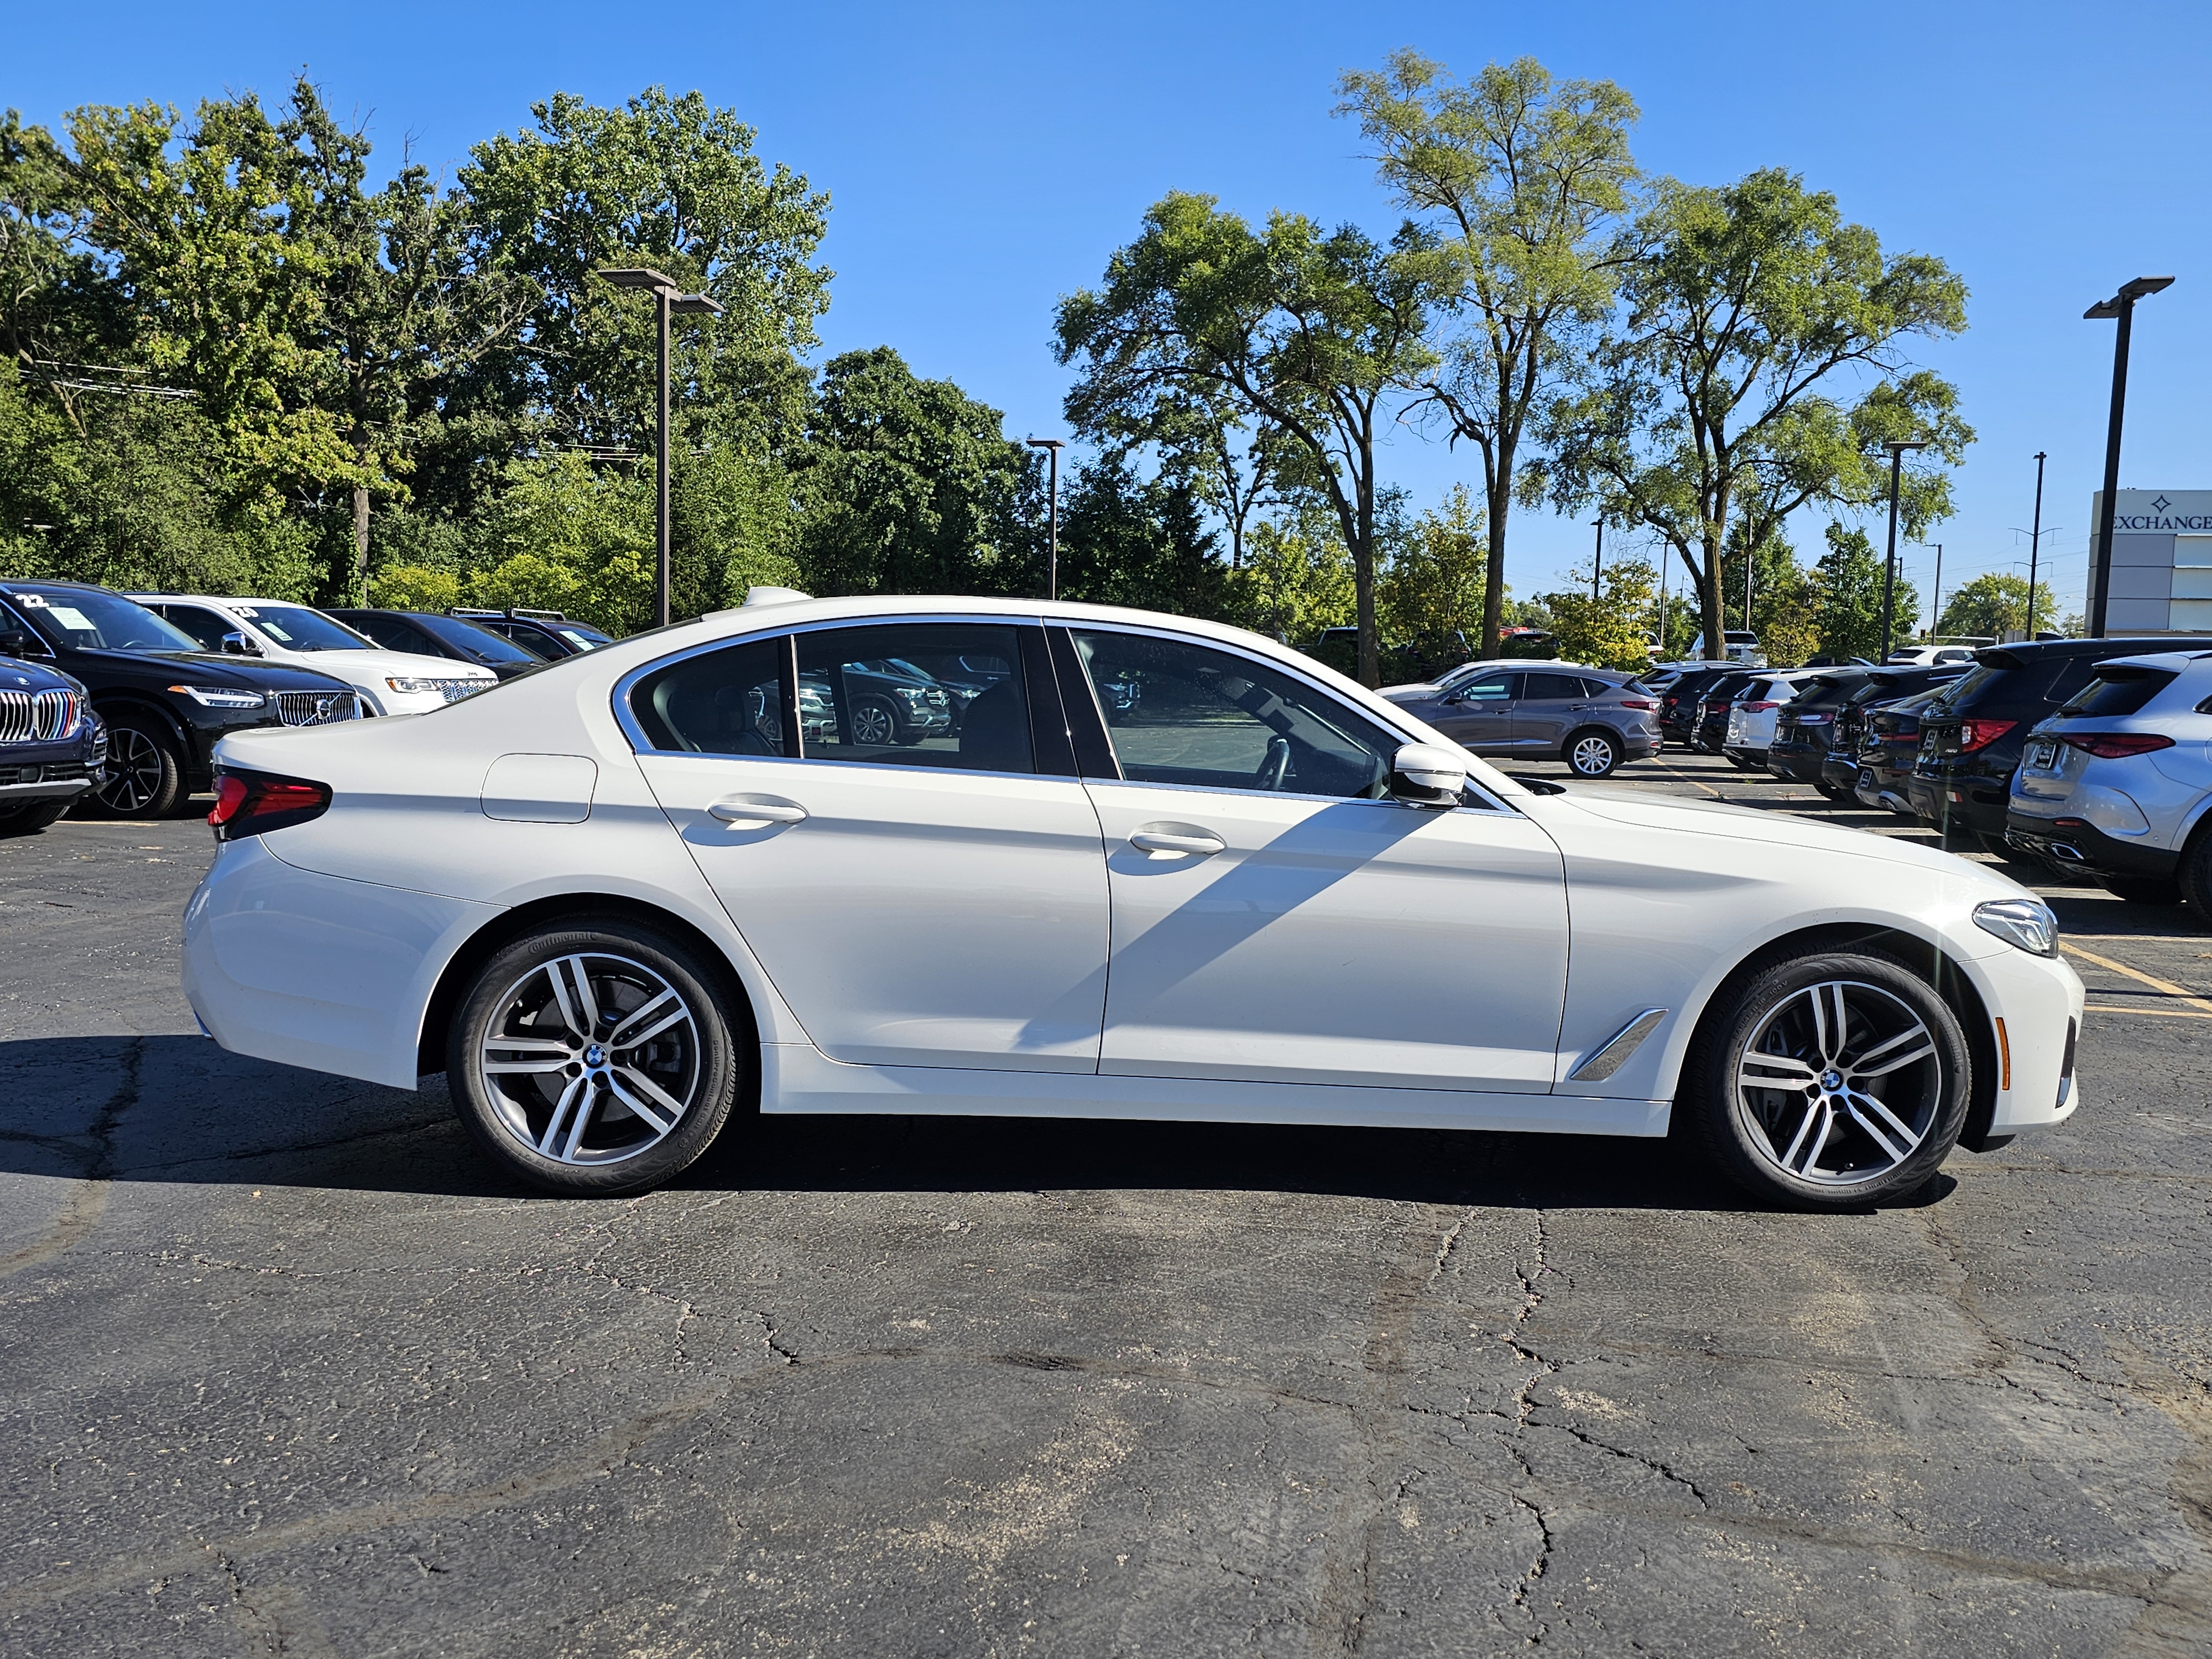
2024	922
220	696
913	694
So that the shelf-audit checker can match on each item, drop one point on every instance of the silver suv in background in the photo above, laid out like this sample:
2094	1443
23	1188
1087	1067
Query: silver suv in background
1593	719
2117	783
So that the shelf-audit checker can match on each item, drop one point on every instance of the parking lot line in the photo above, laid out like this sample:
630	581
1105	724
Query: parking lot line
2164	985
2160	1013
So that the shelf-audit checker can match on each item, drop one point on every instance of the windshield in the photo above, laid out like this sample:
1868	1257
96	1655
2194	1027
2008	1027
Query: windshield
1961	691
479	642
297	629
87	619
2125	693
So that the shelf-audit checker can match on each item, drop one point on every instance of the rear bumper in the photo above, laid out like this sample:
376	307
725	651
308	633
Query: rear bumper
1800	762
2080	845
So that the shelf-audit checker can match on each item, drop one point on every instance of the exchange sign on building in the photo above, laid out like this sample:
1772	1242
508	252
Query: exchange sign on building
2162	561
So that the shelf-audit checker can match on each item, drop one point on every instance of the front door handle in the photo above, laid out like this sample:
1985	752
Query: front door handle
751	811
1182	842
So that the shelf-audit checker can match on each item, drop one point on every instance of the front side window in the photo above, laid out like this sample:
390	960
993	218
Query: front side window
1493	689
86	619
916	694
1215	721
389	632
202	623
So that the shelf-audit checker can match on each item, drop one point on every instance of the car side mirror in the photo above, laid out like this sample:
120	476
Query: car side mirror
237	645
1423	774
15	643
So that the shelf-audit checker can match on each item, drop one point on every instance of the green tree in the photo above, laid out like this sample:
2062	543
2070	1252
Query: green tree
1296	577
1127	541
1758	370
1519	178
910	486
1847	587
1612	629
1306	334
1990	606
1434	581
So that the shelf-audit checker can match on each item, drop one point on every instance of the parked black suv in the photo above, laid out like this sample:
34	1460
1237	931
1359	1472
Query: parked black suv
51	742
1971	740
1879	689
1678	699
550	634
1806	725
428	634
166	702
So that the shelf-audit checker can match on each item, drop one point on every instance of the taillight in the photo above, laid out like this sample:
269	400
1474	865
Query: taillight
1636	702
254	803
1757	708
1980	734
2114	745
1814	719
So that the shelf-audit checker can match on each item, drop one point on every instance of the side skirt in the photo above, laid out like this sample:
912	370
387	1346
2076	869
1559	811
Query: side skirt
798	1078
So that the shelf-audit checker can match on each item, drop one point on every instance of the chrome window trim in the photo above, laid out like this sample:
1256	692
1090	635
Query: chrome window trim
641	746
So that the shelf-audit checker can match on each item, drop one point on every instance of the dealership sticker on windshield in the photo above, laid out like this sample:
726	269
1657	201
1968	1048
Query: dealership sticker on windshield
71	618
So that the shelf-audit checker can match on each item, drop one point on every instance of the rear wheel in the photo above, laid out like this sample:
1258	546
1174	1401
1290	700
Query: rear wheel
28	818
873	723
2195	875
145	773
1592	753
593	1058
1829	1082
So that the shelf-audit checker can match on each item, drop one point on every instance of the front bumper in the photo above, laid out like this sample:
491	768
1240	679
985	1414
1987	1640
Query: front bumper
2080	845
2039	1001
43	780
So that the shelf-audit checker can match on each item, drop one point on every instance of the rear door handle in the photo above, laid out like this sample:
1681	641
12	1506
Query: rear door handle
749	811
1175	844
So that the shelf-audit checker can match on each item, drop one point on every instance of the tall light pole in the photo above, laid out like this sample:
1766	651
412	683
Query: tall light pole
2034	544
668	298
1896	446
1936	604
2121	306
1597	563
1052	447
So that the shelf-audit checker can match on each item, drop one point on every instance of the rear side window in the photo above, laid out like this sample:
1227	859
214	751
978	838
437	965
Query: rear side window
720	703
1544	687
2124	693
865	695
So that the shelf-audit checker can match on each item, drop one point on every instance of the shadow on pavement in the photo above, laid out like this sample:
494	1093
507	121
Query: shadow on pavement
178	1108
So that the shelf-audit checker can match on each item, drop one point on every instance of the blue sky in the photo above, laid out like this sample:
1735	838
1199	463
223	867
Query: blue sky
984	160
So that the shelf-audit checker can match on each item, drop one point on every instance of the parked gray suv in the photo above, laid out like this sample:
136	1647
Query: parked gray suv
1593	719
2118	784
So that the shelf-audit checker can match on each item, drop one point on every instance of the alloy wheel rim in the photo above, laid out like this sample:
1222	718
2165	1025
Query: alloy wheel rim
591	1059
872	725
1840	1084
137	765
1593	754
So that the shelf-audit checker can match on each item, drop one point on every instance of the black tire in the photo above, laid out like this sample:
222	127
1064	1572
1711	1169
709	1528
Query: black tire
2195	875
2142	889
612	1151
1759	1135
145	773
1592	752
29	818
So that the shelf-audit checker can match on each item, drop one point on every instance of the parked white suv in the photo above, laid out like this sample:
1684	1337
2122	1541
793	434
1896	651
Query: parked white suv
390	682
2118	784
1751	717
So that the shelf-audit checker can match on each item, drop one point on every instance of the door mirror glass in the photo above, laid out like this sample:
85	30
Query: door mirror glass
1423	775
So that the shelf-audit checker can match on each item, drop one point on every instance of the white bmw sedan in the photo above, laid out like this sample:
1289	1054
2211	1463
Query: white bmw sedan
1147	868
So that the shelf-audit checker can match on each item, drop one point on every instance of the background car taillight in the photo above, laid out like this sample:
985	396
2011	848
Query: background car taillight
2114	745
1979	734
1757	708
1638	702
254	803
1813	719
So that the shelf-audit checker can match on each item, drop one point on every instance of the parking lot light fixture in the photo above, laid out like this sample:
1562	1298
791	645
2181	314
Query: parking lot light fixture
1896	446
669	298
2120	308
1052	447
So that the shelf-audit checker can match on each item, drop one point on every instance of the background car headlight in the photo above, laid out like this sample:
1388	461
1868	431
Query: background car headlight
2024	922
220	696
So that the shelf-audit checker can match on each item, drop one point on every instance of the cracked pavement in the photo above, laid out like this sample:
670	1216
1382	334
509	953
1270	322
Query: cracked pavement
288	1369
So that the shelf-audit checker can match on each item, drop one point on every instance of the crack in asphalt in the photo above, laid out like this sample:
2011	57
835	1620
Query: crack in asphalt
87	1200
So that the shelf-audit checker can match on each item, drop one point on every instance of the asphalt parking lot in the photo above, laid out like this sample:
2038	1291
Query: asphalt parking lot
289	1369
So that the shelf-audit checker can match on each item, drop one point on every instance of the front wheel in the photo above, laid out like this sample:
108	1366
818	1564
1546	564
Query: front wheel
145	773
593	1058
1829	1082
29	818
1593	754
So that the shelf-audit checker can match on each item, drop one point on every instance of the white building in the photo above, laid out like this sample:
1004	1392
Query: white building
2162	561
